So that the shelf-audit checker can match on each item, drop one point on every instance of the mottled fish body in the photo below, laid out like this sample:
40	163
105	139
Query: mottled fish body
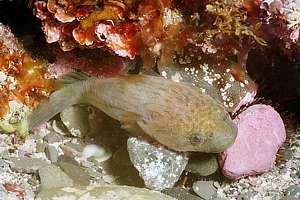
176	115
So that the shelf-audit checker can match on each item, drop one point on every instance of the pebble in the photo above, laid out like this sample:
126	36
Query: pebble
59	127
53	137
40	147
64	158
93	172
293	191
205	189
203	164
160	168
51	153
71	149
246	196
289	198
76	119
181	194
75	172
51	176
1	162
109	192
26	165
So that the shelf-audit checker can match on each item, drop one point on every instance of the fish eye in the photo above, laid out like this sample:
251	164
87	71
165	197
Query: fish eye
196	138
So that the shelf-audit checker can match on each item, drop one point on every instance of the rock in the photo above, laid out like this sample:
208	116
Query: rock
260	134
289	198
53	137
93	172
71	149
293	191
64	158
26	165
247	195
109	192
203	164
52	176
212	80
27	148
160	168
59	127
96	152
181	194
51	153
40	147
75	172
76	119
205	189
1	162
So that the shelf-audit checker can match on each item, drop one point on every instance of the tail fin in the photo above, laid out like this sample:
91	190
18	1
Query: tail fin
58	101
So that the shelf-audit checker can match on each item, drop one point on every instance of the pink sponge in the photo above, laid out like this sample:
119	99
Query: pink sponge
261	132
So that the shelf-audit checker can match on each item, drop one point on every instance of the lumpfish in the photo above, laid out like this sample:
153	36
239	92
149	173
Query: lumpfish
177	115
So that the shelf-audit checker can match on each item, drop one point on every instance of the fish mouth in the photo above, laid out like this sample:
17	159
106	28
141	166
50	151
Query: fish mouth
223	142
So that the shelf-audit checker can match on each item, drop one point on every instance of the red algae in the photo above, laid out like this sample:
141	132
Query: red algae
22	77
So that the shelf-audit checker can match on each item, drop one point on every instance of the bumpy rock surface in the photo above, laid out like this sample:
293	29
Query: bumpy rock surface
101	193
260	134
159	167
52	176
27	165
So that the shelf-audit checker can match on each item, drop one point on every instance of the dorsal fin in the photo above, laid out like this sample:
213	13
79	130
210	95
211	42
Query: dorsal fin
70	78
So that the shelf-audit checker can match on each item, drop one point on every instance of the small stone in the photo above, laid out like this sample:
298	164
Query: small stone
181	194
205	189
53	137
40	147
64	158
289	198
75	172
160	168
108	179
96	153
59	127
298	174
4	153
52	176
293	191
93	172
246	196
71	149
109	192
33	181
76	119
1	162
203	164
26	165
51	153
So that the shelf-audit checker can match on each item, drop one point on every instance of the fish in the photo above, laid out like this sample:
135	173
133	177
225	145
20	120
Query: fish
177	115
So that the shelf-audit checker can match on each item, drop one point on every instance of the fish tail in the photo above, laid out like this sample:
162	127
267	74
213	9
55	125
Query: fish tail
58	101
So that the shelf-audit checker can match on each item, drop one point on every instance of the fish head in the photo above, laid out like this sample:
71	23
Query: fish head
213	135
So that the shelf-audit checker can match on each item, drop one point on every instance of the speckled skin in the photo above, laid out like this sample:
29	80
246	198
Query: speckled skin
176	115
